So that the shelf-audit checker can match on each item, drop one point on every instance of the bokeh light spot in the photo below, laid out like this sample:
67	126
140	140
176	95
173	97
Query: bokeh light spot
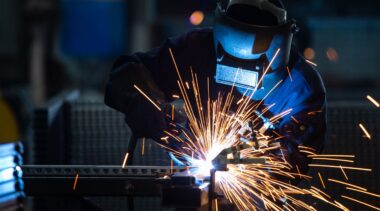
332	55
309	53
197	18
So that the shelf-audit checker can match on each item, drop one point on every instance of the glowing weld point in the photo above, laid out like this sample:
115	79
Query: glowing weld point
147	97
373	101
125	160
75	182
365	131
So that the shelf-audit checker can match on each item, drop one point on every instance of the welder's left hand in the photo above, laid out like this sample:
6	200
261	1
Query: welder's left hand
175	112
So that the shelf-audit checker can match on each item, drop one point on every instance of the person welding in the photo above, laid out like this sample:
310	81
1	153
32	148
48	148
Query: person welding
246	36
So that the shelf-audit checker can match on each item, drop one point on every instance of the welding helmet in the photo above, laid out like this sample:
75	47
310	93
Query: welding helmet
247	35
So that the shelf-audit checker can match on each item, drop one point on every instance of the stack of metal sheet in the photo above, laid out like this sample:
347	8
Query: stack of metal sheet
11	185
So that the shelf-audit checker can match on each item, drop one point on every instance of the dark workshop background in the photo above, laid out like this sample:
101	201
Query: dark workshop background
48	48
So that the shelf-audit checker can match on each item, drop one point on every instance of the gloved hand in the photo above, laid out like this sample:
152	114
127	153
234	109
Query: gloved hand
174	112
256	131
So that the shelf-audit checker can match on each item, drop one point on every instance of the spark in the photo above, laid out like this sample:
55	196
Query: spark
173	112
147	97
310	62
376	103
143	146
344	167
75	182
333	159
365	131
360	202
175	96
171	166
294	119
320	178
344	173
332	156
362	191
348	184
125	160
290	75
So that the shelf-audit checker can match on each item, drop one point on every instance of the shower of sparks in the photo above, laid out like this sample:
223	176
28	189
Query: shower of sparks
147	97
366	133
373	101
125	160
75	182
213	128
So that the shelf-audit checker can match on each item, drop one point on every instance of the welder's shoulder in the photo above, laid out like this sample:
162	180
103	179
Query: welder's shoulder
310	75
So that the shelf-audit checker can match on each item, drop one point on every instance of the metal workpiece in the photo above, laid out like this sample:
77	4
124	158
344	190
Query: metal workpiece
185	191
175	185
98	171
232	156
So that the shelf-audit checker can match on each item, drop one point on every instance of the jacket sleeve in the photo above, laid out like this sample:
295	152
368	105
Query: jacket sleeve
153	73
305	128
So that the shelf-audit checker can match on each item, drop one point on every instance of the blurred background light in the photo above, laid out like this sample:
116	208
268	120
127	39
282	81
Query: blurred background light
332	55
309	53
197	18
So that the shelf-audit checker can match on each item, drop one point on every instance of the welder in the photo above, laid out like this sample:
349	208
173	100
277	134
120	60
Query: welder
245	37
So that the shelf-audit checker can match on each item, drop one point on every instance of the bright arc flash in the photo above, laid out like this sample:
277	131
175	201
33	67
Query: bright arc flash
373	101
365	131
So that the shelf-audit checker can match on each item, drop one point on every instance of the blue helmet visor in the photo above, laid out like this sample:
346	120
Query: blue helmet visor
244	51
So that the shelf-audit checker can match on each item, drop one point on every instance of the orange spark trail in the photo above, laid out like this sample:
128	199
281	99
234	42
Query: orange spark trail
373	101
365	192
290	75
75	182
361	202
148	98
365	131
344	167
125	160
344	173
143	146
320	178
348	184
310	62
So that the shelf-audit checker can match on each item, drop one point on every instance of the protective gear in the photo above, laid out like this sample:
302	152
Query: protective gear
303	92
244	50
